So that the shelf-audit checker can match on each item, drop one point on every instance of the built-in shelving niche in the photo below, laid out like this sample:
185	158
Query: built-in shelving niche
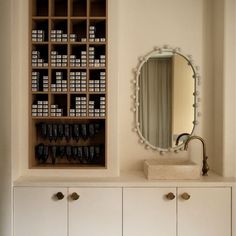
68	82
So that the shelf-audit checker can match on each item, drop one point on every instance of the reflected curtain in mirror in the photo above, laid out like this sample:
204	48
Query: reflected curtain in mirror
155	98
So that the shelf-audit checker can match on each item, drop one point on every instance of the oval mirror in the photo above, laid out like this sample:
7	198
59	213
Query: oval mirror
165	89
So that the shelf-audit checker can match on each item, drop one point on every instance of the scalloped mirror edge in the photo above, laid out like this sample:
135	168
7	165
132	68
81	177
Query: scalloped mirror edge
135	96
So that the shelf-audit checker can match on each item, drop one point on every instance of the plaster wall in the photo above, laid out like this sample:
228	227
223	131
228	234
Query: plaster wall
134	28
229	96
143	25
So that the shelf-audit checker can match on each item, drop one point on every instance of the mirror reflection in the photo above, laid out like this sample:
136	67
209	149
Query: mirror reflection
165	98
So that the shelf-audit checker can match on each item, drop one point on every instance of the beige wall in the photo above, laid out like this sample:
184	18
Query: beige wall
203	28
5	119
229	95
135	27
143	25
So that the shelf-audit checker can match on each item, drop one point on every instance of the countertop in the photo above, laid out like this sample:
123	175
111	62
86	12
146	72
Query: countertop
126	179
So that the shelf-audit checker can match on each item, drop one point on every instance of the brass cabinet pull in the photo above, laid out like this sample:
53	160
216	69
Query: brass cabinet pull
59	196
185	196
74	196
170	196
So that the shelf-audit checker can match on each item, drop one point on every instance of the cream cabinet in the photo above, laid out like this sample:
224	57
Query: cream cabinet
122	211
38	212
180	211
207	212
97	212
148	212
67	211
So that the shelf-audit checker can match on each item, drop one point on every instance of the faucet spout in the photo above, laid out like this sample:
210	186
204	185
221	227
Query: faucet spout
180	136
205	166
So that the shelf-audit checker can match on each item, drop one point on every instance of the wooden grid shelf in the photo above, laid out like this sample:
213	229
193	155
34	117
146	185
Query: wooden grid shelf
68	40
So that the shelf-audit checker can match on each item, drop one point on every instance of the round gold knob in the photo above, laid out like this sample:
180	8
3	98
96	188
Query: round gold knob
59	195
170	196
74	196
185	196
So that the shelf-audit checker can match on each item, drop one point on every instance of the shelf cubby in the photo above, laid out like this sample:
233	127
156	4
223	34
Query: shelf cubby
39	81
39	30
39	56
39	106
97	55
78	8
78	105
97	105
97	81
78	30
97	8
97	31
40	8
78	56
58	106
80	143
59	8
78	81
58	55
59	31
59	82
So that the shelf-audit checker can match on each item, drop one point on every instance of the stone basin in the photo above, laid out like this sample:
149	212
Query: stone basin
171	169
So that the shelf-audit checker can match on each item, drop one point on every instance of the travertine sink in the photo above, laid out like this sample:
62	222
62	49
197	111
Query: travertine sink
171	169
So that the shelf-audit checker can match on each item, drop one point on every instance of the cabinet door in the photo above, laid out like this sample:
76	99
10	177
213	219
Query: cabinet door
148	212
207	212
97	212
38	212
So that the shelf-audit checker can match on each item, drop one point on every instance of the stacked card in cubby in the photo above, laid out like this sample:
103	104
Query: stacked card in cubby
92	35
79	62
38	35
40	108
60	85
58	36
98	85
58	60
76	38
80	107
97	112
96	62
37	61
56	111
78	81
